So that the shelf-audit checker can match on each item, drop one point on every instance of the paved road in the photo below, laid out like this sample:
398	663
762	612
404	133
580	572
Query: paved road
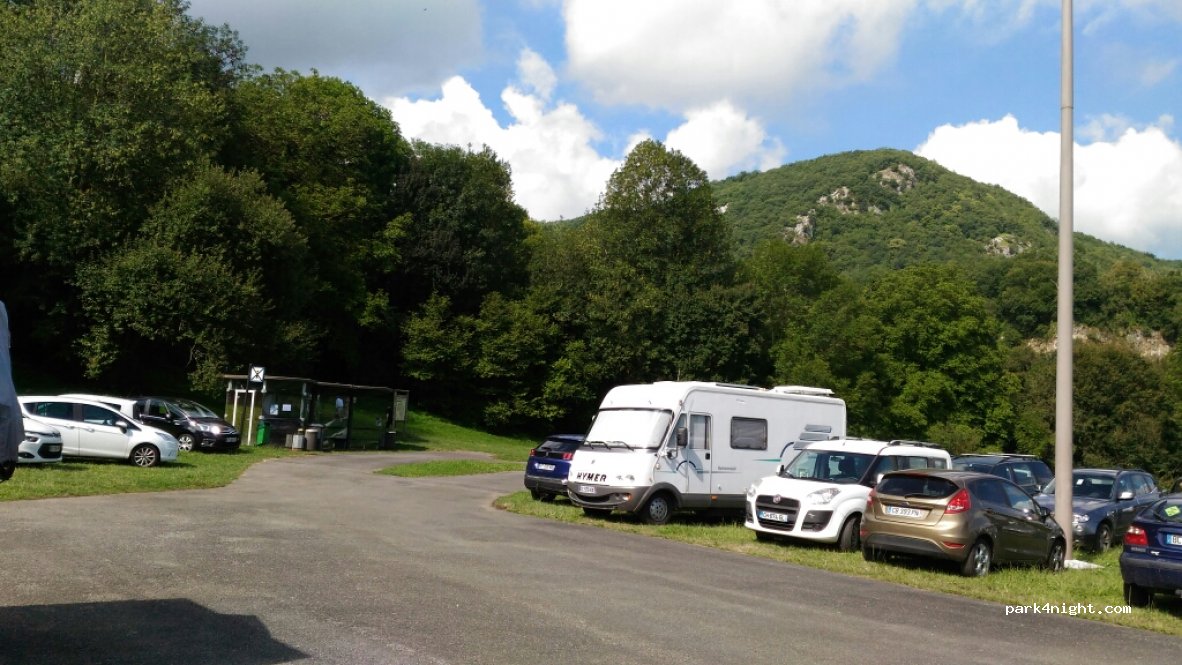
317	560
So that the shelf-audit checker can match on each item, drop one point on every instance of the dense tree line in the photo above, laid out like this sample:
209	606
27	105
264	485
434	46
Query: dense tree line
172	213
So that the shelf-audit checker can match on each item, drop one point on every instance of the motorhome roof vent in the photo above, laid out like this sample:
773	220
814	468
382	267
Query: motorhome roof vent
802	390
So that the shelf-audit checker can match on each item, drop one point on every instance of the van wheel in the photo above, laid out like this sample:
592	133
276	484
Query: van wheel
658	509
145	455
187	441
764	537
850	539
979	560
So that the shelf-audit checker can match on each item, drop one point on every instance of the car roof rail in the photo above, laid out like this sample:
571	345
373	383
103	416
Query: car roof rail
922	444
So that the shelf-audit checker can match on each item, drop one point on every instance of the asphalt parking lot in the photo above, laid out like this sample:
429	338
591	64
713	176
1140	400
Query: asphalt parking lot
318	560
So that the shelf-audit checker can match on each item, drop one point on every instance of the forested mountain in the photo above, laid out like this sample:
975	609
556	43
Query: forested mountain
169	212
892	208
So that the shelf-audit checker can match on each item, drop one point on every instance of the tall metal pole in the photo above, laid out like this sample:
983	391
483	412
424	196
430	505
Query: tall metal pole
1063	378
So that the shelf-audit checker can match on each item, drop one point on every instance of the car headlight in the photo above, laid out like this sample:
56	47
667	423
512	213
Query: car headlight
752	490
32	437
821	497
1076	520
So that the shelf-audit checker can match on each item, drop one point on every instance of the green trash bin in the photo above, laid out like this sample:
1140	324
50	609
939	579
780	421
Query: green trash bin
261	433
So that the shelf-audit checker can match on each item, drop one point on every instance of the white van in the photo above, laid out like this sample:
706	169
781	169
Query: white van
656	448
821	492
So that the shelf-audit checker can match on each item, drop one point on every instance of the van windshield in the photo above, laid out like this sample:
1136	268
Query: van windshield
629	428
831	466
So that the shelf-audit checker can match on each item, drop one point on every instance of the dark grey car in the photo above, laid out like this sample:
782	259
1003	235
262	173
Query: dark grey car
1104	503
195	427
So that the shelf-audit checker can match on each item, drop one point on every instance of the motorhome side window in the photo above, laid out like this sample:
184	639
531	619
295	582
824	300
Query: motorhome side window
699	432
749	433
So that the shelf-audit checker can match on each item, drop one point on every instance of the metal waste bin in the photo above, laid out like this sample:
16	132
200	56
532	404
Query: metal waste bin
312	437
298	440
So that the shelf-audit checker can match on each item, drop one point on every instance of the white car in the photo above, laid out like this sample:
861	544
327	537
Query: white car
42	444
92	429
821	493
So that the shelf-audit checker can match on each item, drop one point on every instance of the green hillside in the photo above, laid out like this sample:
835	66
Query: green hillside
892	208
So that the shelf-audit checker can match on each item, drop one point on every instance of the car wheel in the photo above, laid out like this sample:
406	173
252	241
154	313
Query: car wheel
979	560
658	510
536	494
187	441
145	455
872	554
1103	537
546	497
596	512
1054	562
1137	596
850	539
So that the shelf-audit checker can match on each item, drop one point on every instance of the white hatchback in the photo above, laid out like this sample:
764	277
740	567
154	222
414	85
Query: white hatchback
820	494
92	429
42	444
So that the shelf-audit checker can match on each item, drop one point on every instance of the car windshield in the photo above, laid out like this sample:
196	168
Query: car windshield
194	410
832	466
973	464
1086	486
629	428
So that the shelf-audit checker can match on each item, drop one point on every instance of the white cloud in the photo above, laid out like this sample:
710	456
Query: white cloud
556	170
722	139
680	54
377	45
1128	189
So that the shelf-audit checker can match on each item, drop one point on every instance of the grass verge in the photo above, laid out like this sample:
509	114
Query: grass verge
192	470
1008	585
459	467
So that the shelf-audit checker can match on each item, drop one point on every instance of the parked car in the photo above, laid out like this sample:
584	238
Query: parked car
1152	558
548	465
1026	471
42	444
93	429
820	494
195	426
1103	502
973	519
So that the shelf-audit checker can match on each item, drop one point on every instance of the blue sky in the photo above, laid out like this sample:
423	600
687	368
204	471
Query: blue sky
561	90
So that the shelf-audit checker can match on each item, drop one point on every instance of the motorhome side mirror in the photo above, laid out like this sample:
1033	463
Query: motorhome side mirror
780	469
682	437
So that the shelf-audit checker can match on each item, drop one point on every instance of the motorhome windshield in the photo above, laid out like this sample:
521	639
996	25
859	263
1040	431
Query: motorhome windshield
629	428
831	466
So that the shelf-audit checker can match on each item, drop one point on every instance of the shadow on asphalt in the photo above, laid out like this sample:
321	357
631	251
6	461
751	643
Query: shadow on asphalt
137	631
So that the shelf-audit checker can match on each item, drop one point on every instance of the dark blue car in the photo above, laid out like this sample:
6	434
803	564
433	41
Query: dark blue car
1104	502
1152	559
548	464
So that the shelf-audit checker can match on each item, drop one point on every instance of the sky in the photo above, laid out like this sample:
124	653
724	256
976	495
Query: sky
561	90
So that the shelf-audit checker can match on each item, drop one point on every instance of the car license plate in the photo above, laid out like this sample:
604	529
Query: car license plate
543	467
1171	539
902	512
231	439
773	517
588	489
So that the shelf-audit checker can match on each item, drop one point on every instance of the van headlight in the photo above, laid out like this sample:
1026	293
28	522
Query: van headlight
821	497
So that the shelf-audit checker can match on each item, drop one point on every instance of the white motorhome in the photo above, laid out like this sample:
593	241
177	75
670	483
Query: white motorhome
656	448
